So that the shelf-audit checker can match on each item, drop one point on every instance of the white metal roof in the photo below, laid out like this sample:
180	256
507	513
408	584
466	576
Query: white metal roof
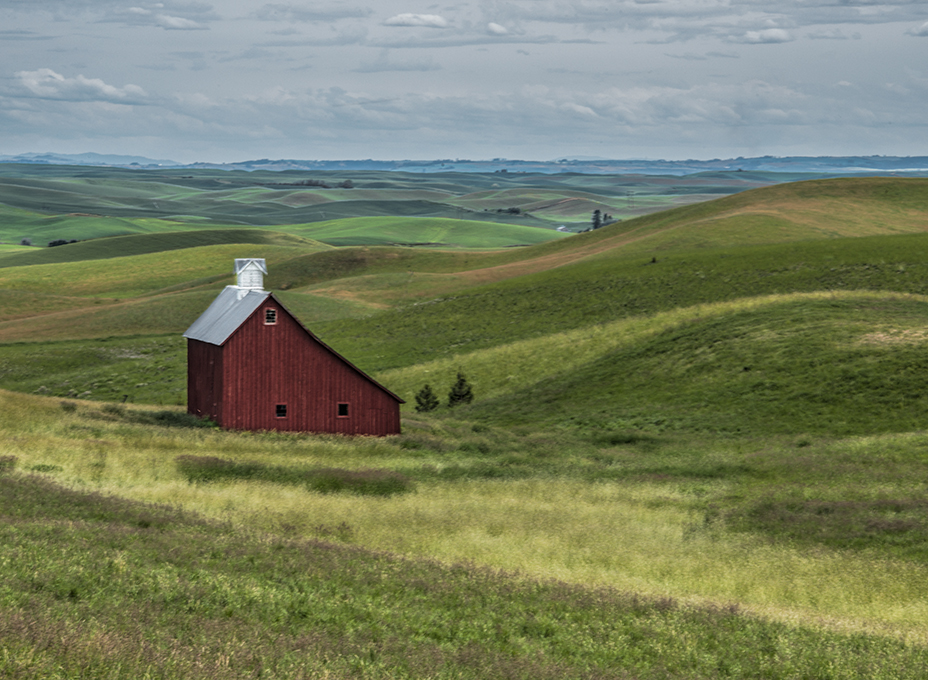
227	312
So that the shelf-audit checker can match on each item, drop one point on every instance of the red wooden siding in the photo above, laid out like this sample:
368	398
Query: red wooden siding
204	380
264	365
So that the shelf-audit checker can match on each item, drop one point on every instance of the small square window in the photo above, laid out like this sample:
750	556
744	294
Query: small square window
343	410
270	316
281	410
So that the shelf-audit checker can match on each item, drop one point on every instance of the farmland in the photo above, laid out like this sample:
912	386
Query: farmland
698	445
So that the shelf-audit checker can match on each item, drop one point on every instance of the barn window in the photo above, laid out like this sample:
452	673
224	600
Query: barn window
270	316
281	410
343	410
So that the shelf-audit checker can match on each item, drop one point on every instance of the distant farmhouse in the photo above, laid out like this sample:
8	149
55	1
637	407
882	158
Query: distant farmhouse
251	365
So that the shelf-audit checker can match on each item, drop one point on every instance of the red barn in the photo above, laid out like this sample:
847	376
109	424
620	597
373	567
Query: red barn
251	365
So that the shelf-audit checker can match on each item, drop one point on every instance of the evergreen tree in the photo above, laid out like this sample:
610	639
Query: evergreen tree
461	392
597	219
426	400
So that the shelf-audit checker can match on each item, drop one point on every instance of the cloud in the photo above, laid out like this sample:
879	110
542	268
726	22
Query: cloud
921	31
768	36
289	12
495	29
22	35
689	56
832	34
177	23
426	20
167	17
358	36
47	84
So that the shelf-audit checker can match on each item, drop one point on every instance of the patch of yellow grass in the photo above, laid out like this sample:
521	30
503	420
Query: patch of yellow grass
895	336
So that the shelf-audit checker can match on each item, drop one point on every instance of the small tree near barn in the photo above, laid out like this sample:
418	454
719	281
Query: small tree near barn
426	400
461	392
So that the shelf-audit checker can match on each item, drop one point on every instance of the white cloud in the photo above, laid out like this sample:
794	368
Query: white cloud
495	29
427	20
46	83
577	108
314	12
178	23
921	31
767	36
175	16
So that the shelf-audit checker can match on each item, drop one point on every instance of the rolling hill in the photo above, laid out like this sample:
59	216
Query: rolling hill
47	202
697	447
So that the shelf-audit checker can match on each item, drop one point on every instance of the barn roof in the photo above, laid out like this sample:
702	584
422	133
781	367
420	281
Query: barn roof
228	311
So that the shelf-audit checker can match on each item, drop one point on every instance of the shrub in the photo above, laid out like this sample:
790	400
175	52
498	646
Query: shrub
113	409
426	400
461	392
367	482
7	463
45	467
171	419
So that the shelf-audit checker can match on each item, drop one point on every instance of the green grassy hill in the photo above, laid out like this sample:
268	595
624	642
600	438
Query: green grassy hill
143	244
697	449
51	202
600	290
423	231
823	364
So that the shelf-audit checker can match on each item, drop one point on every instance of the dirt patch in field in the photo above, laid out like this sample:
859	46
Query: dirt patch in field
898	336
348	296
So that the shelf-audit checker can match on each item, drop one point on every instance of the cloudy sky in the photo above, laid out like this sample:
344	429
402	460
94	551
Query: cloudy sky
229	80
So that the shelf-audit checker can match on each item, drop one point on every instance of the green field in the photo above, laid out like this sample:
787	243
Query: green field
698	447
45	203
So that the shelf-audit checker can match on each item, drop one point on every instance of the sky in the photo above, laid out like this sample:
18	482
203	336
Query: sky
233	80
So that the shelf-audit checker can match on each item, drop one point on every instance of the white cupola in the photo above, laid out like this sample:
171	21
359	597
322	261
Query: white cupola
249	273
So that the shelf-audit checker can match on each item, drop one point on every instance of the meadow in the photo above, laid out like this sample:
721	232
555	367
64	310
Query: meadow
697	449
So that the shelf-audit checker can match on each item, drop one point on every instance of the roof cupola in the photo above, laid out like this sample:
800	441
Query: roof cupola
249	272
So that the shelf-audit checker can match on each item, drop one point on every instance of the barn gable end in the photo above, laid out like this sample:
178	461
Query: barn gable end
252	365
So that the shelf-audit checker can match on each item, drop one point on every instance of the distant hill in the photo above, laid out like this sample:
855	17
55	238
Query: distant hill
432	302
86	159
823	166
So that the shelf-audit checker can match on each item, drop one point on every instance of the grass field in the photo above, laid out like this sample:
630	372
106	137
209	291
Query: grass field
44	202
697	450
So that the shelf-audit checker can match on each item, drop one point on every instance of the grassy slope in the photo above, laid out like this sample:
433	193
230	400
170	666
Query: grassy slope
824	365
600	290
788	212
141	274
589	278
423	231
134	590
711	420
143	244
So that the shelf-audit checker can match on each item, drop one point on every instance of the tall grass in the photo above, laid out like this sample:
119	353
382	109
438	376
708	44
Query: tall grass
147	591
654	517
